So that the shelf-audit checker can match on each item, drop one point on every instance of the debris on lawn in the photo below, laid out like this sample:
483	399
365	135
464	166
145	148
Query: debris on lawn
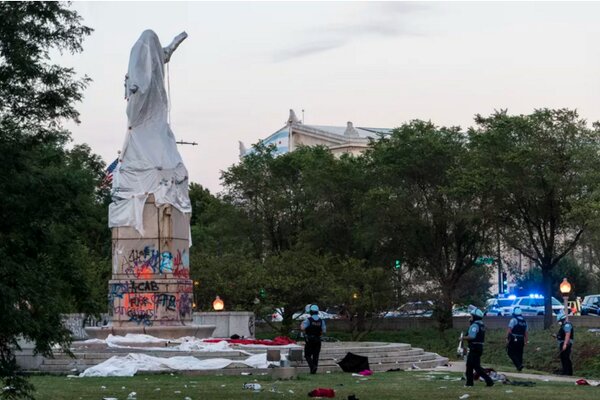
322	392
252	386
587	383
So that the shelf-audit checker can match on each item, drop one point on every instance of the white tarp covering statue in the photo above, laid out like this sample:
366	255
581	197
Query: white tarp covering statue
149	161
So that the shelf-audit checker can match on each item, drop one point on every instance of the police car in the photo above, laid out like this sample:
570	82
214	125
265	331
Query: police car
591	305
498	306
532	305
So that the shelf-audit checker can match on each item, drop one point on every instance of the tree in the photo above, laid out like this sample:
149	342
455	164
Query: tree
45	193
581	281
303	208
542	169
425	209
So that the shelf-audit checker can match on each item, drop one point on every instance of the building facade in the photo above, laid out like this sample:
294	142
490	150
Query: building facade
339	139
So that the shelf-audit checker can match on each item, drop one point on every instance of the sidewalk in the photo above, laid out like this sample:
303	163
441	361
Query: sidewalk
459	366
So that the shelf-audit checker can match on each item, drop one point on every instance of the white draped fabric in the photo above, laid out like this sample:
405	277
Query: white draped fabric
149	161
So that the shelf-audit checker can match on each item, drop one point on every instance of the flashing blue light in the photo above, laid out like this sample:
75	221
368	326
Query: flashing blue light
512	297
536	296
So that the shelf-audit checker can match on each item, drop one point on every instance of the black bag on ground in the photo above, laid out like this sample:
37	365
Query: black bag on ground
354	363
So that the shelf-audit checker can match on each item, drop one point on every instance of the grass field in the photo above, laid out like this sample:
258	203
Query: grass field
384	385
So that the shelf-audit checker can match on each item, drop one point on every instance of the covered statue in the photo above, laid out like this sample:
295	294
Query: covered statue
149	162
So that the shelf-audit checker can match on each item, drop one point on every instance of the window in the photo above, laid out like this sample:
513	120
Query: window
525	302
505	302
556	302
537	302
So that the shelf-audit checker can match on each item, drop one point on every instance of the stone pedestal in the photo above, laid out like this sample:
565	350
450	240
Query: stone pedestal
228	323
151	291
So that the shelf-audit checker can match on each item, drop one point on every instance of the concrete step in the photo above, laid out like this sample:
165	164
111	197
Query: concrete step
382	357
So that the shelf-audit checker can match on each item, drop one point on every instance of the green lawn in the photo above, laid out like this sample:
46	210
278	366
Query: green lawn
384	385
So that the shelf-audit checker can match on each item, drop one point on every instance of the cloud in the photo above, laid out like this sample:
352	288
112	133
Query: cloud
388	19
307	49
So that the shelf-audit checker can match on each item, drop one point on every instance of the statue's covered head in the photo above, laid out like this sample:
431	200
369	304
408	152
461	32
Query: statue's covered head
150	38
145	79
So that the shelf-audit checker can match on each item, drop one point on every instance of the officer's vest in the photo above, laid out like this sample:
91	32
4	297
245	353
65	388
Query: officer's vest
519	329
562	334
314	329
480	336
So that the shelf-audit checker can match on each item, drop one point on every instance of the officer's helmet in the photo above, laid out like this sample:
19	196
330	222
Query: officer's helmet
561	316
476	312
517	311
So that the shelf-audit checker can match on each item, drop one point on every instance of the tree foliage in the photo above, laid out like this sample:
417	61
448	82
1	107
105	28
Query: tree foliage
426	209
49	193
294	218
543	171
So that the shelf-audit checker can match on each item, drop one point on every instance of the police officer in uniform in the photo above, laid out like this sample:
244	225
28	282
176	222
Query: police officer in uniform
516	338
565	338
476	338
313	328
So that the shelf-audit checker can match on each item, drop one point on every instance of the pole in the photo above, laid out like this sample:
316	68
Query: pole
565	299
499	262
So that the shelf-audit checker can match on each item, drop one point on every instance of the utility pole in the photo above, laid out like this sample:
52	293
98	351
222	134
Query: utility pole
500	280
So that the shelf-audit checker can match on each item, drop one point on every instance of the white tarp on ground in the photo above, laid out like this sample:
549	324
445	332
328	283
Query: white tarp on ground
187	343
131	363
149	162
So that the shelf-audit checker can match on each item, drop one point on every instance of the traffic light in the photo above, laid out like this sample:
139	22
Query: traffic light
504	283
397	264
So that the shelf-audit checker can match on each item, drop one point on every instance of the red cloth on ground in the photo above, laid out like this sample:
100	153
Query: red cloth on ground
581	382
278	341
366	372
322	392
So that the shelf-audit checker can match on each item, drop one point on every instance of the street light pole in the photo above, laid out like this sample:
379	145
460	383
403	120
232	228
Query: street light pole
565	289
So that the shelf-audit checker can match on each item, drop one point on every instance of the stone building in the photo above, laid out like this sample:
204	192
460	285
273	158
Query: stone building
339	139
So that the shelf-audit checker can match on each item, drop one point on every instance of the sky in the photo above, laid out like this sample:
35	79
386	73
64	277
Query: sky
377	64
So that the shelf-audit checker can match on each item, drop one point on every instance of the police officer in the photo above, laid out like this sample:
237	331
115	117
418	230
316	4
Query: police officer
476	338
516	338
565	338
313	328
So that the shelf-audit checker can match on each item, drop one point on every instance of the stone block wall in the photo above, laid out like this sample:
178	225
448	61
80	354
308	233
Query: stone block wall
151	282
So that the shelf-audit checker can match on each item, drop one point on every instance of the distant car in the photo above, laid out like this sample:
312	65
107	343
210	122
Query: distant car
412	309
460	311
277	315
498	306
322	315
533	305
591	305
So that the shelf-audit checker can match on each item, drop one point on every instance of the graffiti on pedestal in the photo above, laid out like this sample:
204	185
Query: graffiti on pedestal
185	305
166	262
145	301
142	263
181	264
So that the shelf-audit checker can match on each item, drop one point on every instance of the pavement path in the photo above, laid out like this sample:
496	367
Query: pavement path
459	366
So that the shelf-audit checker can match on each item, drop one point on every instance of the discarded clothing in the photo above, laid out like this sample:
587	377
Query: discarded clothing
354	363
278	341
322	392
